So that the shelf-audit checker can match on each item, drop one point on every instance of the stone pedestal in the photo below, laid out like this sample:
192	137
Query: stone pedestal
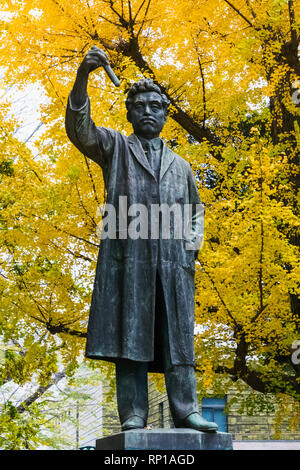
166	439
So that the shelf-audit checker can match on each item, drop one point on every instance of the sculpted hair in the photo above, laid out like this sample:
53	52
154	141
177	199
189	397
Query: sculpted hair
142	86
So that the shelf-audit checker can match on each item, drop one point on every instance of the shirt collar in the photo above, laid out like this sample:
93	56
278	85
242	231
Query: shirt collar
154	143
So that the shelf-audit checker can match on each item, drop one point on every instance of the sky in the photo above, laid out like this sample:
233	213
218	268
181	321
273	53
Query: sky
25	107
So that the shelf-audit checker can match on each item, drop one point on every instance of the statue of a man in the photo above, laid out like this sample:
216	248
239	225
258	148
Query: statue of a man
142	308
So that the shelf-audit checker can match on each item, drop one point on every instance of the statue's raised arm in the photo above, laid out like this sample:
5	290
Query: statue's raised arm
94	59
94	142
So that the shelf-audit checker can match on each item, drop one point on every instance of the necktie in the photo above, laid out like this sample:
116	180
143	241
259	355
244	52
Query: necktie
149	154
153	157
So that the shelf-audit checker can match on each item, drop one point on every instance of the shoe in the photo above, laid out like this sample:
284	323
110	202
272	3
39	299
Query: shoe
134	422
196	421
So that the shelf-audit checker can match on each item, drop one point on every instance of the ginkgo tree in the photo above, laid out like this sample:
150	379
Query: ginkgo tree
231	72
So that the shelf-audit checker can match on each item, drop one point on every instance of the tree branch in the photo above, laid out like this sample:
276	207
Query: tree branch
239	13
144	19
261	382
260	273
131	49
292	21
59	328
219	295
92	180
73	253
65	231
84	208
40	391
203	91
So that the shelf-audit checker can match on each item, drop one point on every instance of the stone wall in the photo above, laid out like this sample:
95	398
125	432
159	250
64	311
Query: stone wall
259	426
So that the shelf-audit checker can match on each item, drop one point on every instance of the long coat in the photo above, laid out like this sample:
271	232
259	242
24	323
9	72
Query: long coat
122	312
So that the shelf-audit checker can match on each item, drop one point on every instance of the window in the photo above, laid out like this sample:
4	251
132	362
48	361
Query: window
213	410
161	415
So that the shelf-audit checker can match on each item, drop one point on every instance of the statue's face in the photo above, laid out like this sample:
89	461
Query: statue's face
147	114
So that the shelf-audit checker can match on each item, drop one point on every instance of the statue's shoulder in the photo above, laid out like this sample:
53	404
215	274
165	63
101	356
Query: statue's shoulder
114	134
180	161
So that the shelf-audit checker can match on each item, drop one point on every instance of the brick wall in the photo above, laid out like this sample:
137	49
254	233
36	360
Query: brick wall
260	426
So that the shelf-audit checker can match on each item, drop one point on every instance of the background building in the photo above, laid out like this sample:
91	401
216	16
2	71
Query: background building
89	412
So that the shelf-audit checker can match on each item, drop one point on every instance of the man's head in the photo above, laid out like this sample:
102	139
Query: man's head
147	108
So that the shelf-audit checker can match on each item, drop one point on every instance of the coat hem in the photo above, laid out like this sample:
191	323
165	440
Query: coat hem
153	366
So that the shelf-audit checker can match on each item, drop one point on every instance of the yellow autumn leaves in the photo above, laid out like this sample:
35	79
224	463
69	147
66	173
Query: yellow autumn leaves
225	66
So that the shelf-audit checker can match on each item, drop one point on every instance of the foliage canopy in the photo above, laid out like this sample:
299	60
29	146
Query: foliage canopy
231	71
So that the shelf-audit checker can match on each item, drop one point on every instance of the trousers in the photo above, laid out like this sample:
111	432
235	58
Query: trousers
132	378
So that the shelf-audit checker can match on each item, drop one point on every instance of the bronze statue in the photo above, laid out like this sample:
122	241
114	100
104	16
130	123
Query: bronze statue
142	309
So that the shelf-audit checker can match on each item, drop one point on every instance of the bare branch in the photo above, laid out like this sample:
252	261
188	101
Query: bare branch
92	180
203	89
64	231
84	208
40	124
73	253
144	19
60	328
219	295
239	13
40	391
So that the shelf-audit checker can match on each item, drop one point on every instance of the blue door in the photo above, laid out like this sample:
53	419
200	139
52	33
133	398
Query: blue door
213	410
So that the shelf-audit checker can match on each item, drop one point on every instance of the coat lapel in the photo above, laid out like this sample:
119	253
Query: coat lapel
166	160
137	150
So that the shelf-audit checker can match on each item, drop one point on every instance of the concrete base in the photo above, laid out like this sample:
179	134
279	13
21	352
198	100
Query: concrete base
166	439
266	445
